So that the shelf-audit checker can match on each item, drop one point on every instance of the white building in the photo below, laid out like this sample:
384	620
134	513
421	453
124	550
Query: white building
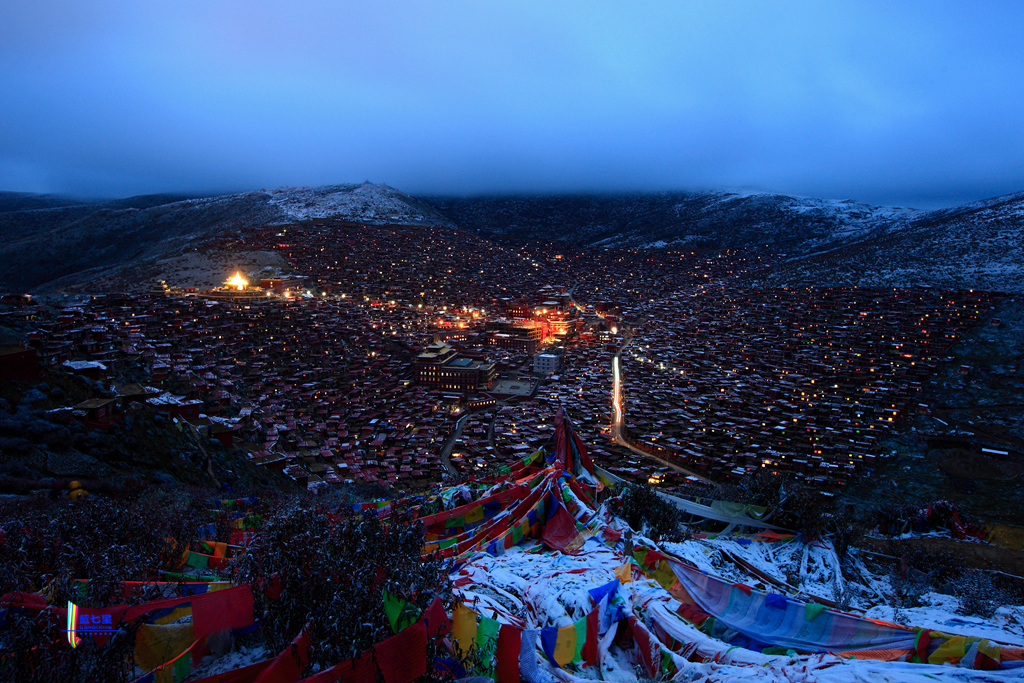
546	363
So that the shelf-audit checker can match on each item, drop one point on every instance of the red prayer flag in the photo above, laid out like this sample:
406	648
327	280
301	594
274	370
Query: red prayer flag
507	654
20	599
643	643
589	651
221	610
403	657
437	620
288	666
560	532
652	558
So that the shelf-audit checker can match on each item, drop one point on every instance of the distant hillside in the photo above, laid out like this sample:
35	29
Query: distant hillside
51	240
697	219
820	241
366	203
46	245
48	241
26	201
974	246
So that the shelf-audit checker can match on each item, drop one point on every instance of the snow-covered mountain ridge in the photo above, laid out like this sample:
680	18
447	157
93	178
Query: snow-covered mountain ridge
697	219
367	203
50	239
817	241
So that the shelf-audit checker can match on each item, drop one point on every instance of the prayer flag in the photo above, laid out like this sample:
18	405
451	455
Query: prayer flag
486	643
221	610
402	658
560	532
437	620
401	614
156	644
464	628
564	645
289	664
506	669
812	609
590	636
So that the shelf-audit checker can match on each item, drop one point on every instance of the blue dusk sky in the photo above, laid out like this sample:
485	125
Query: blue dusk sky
904	103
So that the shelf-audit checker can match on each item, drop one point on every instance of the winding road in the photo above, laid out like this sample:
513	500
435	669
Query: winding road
618	418
446	450
618	414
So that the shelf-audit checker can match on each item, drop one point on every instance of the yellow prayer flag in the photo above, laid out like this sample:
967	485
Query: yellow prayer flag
464	628
156	644
565	645
475	515
949	651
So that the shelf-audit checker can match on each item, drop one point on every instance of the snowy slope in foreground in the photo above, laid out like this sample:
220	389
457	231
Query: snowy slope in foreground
537	590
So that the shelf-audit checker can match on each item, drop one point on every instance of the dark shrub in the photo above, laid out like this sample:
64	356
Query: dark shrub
48	544
14	445
803	508
977	594
37	650
332	569
641	506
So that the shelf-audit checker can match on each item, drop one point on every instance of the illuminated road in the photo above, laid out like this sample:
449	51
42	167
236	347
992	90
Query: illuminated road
446	450
688	506
618	417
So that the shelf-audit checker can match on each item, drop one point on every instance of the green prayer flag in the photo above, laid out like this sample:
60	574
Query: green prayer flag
486	644
667	665
197	560
581	639
182	667
401	614
813	609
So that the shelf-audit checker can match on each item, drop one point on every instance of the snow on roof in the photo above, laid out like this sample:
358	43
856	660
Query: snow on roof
84	364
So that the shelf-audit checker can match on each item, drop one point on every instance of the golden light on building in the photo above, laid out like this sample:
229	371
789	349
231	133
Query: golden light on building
238	282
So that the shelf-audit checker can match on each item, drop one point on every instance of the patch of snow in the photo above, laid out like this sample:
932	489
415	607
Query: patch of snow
369	202
212	665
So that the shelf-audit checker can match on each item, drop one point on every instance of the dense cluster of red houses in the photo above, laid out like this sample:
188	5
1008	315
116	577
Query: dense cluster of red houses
332	384
802	381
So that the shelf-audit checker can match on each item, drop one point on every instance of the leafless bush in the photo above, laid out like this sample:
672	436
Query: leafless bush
36	649
977	594
48	544
841	595
642	507
332	568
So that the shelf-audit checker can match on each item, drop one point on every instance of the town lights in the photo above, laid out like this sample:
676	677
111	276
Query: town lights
237	281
